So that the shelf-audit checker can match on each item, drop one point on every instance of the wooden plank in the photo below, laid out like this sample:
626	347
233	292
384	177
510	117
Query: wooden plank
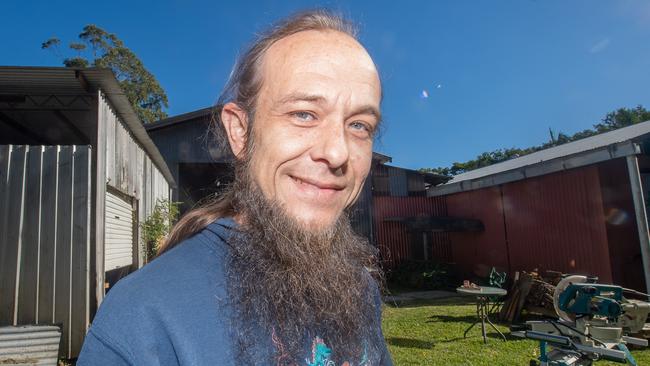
48	236
110	128
140	206
118	155
120	149
146	194
103	156
137	259
124	163
156	184
63	246
31	235
133	165
139	173
80	249
10	249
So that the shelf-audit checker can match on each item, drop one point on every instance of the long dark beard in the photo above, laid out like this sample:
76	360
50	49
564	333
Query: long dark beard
294	284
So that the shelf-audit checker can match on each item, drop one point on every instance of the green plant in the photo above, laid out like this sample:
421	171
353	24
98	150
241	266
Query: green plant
156	227
423	275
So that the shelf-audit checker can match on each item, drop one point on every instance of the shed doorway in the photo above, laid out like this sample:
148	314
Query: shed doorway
120	236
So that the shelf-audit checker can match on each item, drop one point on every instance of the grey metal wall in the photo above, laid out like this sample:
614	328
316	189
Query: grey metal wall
45	238
30	345
397	182
128	168
188	142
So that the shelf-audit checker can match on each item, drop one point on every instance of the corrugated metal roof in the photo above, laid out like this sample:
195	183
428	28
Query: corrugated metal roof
64	80
591	150
30	345
203	112
564	150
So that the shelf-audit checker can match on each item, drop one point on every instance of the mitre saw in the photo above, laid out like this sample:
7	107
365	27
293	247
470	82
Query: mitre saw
594	322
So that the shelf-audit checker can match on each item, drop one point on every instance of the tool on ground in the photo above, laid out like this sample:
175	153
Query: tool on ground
594	323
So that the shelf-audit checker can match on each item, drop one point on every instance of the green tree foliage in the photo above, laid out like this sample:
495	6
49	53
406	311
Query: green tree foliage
107	51
622	117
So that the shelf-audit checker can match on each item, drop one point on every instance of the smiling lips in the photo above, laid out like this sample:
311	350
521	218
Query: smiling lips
315	187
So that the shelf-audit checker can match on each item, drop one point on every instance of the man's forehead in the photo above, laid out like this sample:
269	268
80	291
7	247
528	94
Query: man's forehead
313	62
319	48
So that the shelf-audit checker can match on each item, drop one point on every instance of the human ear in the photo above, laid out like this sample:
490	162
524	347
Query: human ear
235	122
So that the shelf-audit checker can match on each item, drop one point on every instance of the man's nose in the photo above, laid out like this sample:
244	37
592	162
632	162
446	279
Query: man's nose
332	147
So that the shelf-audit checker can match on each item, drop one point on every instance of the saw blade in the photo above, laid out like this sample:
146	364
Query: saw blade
561	286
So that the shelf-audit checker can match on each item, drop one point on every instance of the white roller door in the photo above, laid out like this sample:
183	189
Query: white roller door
118	237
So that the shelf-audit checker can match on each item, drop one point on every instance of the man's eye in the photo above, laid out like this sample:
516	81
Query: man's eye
304	116
361	126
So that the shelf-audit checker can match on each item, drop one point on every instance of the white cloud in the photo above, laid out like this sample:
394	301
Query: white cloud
600	45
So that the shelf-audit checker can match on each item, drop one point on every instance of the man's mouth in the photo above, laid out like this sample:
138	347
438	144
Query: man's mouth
312	184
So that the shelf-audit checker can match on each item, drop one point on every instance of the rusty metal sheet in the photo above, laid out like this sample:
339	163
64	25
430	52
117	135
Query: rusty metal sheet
473	252
394	240
555	222
622	233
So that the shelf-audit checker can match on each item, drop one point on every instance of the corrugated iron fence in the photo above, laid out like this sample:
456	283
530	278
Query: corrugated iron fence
45	238
395	241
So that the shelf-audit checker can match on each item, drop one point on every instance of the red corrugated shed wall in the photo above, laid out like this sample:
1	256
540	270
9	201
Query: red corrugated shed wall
620	221
486	248
393	239
555	221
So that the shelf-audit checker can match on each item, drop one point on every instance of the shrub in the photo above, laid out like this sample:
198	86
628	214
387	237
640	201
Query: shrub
158	225
423	275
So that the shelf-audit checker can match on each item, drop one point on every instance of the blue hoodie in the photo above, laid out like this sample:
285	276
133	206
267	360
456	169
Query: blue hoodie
174	311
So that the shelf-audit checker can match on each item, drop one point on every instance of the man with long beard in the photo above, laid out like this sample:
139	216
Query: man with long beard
271	272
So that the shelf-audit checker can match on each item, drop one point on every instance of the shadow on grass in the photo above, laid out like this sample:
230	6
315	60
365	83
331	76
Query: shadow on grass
491	335
451	319
409	343
412	303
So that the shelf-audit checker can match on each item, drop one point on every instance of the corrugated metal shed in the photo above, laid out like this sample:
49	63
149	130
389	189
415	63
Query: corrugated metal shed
72	81
45	237
622	237
552	222
557	222
399	182
395	242
30	345
473	249
53	198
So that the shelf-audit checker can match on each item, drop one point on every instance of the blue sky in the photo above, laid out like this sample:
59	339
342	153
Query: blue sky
507	70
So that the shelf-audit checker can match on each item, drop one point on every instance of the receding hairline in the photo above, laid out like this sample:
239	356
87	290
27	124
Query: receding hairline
354	41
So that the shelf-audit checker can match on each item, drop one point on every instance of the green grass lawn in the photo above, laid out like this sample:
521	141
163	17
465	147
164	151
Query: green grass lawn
431	333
